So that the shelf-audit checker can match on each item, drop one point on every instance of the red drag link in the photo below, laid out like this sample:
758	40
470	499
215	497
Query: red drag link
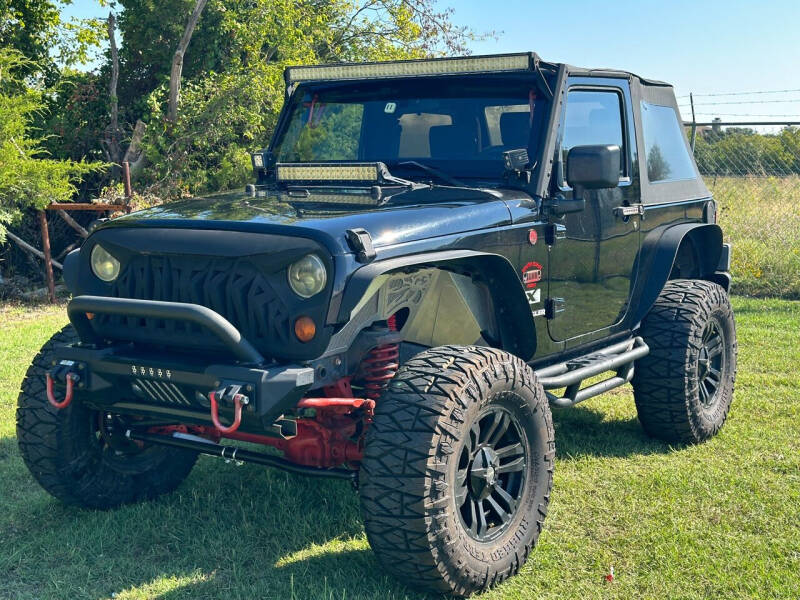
70	380
324	441
237	413
335	402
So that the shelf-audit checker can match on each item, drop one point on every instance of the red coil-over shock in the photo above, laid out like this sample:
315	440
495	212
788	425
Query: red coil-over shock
380	365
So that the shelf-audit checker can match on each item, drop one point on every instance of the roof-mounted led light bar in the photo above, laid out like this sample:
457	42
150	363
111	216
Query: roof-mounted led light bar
311	172
412	68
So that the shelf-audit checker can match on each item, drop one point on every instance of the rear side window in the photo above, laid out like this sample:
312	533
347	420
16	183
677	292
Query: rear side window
593	118
665	147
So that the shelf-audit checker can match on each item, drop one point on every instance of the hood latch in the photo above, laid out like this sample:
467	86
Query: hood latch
360	242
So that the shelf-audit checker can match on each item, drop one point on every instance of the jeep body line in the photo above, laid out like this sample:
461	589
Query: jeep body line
431	251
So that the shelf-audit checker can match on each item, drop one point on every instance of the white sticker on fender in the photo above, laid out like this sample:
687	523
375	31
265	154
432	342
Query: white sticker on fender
534	296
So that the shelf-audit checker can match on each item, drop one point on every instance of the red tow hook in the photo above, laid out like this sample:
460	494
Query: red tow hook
70	379
239	400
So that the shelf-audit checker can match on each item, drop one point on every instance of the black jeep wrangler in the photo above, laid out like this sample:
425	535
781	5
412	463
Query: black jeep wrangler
434	253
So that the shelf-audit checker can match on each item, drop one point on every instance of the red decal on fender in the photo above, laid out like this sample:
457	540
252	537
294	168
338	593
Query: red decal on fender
531	274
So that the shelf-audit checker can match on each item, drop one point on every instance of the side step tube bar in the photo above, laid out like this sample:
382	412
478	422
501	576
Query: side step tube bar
203	446
618	357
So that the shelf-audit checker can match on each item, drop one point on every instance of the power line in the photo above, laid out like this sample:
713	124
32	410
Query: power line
742	123
728	102
741	93
718	114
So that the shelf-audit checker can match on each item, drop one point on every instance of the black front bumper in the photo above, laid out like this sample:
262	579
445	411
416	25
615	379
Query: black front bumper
166	385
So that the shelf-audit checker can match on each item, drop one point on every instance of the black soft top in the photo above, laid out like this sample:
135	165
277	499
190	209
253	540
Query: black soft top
660	93
642	90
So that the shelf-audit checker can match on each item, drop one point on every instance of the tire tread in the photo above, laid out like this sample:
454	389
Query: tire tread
665	380
51	442
404	493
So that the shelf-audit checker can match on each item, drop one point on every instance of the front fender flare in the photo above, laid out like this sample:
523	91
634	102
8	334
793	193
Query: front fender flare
517	331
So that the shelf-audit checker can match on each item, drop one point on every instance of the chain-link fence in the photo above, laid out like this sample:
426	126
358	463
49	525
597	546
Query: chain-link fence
753	169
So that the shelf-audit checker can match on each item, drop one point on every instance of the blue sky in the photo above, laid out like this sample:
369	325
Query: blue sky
706	46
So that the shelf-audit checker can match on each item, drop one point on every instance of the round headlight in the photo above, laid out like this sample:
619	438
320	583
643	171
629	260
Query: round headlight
105	266
307	276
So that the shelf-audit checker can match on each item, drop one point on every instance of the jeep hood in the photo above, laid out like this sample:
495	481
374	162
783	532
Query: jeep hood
433	213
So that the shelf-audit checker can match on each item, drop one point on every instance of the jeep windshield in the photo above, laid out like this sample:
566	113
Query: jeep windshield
458	127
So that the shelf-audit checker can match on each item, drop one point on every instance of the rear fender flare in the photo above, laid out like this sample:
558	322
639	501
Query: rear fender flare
657	256
512	312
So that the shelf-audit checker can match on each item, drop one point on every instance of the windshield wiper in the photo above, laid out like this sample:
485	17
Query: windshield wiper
430	170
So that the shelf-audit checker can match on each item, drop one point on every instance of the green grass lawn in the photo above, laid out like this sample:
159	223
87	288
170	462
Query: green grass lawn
721	520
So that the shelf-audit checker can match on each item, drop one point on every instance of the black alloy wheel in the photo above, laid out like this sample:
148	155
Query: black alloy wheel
711	363
491	474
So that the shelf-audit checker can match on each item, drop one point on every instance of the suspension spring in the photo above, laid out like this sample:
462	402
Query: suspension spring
380	365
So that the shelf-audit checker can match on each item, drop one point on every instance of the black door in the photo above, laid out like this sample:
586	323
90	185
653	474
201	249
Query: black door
592	260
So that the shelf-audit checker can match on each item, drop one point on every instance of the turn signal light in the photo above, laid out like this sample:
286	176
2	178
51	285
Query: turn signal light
305	329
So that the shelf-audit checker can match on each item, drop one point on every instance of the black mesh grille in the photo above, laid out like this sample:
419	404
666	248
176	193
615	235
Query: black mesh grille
234	287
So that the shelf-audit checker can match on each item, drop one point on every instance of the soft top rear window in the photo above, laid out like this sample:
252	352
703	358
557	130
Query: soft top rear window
665	146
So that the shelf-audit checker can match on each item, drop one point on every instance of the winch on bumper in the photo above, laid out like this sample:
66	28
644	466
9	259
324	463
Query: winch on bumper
165	385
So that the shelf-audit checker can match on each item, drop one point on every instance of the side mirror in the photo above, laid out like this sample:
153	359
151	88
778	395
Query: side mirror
593	167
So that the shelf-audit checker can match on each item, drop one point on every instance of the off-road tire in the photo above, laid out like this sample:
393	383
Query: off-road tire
670	402
69	459
416	447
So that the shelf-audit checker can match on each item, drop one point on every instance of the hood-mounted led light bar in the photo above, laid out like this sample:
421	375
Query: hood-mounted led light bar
339	183
520	62
328	173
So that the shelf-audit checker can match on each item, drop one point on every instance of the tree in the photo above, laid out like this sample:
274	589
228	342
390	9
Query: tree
231	108
112	141
744	152
28	27
177	61
658	168
36	30
150	33
27	177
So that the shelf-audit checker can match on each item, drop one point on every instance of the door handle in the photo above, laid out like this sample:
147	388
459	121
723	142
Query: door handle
629	211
